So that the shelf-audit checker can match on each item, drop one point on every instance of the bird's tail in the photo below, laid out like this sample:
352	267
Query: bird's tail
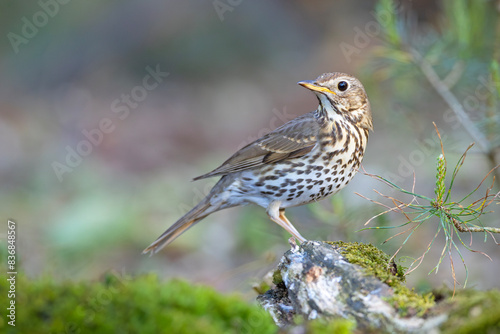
200	211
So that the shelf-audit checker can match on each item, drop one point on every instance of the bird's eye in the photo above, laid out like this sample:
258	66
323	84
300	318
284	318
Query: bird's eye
342	86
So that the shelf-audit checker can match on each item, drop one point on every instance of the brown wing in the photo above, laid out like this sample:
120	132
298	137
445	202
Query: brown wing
291	140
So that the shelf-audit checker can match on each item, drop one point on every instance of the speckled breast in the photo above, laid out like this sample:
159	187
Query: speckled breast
324	171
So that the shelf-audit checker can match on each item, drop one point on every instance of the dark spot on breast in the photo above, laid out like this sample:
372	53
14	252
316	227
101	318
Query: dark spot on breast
267	193
272	187
310	187
258	184
331	155
271	177
300	187
279	172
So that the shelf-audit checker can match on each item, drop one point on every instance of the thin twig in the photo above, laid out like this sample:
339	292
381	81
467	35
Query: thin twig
451	100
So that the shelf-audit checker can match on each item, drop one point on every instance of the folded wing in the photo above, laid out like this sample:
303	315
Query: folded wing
292	140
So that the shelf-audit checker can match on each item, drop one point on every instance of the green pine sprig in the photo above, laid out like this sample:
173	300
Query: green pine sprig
453	217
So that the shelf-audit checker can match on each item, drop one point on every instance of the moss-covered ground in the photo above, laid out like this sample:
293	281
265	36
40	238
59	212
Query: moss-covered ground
469	311
124	305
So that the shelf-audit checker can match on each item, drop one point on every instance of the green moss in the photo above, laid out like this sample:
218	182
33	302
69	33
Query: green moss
376	263
277	279
124	305
262	287
471	311
337	326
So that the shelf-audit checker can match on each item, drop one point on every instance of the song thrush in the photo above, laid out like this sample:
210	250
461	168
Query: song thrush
304	160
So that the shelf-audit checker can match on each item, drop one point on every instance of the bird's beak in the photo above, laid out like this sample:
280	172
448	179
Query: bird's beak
309	84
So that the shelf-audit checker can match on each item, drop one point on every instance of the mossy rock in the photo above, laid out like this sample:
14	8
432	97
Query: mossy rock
377	263
468	311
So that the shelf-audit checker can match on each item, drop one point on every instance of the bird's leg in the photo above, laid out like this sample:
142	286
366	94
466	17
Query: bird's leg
296	234
277	215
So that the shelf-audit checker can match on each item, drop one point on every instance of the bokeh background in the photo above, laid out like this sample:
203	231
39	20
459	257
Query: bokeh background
232	72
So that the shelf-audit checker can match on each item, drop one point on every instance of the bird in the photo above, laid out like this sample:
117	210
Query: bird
304	160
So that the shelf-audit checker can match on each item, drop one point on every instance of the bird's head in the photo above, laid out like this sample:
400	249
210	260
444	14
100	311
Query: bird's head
341	95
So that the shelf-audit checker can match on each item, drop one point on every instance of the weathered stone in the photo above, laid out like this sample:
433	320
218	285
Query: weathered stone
317	281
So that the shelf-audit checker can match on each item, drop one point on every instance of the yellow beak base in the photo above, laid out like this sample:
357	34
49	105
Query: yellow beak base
314	87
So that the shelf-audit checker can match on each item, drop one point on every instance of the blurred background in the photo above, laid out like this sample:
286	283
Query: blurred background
109	109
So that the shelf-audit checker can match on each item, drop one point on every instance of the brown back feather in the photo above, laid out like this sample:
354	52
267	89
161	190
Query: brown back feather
291	140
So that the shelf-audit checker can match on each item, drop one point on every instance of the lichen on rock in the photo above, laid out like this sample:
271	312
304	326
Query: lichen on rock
317	280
